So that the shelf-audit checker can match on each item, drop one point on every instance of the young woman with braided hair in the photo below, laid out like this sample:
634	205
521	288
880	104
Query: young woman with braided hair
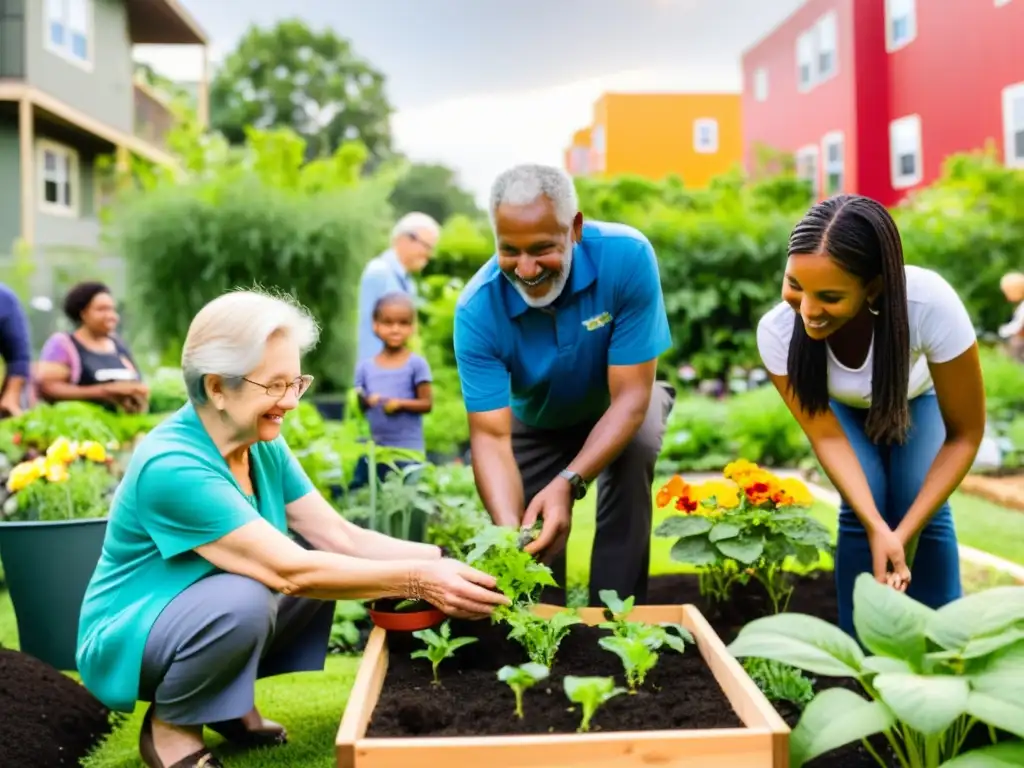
878	361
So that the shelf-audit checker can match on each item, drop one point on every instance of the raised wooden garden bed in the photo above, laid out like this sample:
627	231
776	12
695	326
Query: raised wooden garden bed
695	709
1006	491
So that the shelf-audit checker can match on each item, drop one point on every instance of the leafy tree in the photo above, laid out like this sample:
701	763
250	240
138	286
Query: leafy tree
312	82
432	189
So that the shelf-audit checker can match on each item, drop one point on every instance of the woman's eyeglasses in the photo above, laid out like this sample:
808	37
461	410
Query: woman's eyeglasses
278	388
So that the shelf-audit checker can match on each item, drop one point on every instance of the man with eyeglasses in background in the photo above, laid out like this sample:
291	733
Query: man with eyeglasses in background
413	240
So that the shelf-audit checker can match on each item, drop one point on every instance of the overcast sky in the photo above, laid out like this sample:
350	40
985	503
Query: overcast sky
481	84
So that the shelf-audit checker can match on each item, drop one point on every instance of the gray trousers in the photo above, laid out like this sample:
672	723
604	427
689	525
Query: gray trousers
211	643
621	555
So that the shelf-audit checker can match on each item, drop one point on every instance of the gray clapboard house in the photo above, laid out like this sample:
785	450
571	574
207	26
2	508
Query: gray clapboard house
68	95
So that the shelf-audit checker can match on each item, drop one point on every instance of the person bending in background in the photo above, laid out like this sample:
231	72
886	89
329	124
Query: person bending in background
1012	333
394	385
16	350
91	363
878	362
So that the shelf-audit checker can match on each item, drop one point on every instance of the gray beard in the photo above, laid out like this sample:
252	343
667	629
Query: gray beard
555	284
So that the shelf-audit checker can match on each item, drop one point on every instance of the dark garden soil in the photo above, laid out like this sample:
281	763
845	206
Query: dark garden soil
680	692
46	718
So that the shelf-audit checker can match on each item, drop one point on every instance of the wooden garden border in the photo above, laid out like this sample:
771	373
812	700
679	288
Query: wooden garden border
763	743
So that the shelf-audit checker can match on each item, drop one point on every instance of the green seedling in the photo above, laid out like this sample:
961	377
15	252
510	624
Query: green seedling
439	646
520	678
590	693
780	682
617	609
638	658
540	637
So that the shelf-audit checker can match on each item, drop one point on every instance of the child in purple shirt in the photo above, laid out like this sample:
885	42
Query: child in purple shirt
394	385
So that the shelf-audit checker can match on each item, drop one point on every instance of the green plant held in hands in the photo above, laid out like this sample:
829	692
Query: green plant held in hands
520	678
495	549
933	676
590	693
439	646
540	637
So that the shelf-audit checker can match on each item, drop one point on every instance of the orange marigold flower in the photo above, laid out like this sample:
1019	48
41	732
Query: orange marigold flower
792	493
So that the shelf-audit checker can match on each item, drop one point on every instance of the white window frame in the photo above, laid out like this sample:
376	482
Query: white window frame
1011	94
829	19
806	47
711	147
829	140
64	49
761	84
900	129
891	7
74	180
810	151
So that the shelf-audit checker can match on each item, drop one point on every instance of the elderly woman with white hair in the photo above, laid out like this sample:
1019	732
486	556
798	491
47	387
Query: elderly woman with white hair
200	590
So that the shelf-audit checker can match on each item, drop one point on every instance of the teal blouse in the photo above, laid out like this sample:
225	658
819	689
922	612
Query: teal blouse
177	494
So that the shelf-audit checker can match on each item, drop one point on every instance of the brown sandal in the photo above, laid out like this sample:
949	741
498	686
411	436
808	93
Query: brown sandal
235	731
202	758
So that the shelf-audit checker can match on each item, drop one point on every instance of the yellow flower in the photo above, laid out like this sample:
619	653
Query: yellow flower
722	493
62	449
792	493
740	468
56	471
26	473
93	451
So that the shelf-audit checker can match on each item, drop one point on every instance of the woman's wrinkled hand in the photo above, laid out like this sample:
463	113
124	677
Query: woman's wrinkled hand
457	589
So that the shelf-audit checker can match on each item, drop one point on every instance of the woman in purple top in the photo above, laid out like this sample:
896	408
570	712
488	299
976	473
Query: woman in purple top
91	363
394	385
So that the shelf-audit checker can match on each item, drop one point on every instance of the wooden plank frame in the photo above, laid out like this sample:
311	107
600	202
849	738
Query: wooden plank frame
763	743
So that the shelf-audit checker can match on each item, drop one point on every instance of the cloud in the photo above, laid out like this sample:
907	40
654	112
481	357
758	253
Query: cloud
482	135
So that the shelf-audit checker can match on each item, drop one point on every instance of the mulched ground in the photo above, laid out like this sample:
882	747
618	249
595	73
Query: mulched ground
680	692
47	719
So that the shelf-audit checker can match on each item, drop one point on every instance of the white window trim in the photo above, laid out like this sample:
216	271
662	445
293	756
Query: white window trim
828	140
761	84
697	124
75	171
810	150
900	181
818	76
807	34
64	53
1010	94
890	45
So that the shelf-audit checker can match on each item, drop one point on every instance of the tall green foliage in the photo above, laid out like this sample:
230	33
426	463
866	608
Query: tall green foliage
258	215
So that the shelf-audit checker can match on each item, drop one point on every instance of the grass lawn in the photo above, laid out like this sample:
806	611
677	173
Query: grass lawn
311	704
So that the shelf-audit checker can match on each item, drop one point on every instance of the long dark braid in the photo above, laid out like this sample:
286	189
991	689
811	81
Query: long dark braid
861	237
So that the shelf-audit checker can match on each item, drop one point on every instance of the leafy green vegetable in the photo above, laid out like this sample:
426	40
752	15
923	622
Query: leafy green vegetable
439	646
520	678
540	637
933	675
590	693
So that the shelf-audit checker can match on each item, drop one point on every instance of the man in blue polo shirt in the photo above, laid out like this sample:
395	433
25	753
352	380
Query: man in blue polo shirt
556	339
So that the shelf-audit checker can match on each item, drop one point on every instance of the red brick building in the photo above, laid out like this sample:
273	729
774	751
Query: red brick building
872	95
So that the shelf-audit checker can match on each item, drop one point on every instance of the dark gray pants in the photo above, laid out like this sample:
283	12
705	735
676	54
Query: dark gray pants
621	555
211	643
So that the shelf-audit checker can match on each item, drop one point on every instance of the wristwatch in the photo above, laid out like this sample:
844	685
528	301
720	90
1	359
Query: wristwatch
579	487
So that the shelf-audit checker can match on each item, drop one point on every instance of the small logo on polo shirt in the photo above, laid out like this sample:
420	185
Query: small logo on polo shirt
597	321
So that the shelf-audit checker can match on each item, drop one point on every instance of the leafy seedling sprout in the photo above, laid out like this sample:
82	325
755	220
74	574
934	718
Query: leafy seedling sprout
590	693
540	637
520	678
439	646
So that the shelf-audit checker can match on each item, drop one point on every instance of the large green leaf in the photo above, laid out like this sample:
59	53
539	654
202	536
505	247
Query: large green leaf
805	642
683	526
834	718
883	664
1009	755
888	622
694	551
927	704
745	549
983	613
997	691
724	531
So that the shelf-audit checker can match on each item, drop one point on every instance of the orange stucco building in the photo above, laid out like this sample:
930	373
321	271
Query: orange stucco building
696	136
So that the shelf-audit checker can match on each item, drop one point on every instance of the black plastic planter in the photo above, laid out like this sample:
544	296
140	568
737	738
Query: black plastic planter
48	566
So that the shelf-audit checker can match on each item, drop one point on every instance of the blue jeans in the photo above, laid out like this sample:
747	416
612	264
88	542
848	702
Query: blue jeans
895	474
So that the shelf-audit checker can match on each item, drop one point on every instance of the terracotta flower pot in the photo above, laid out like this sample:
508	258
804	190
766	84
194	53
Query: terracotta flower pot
404	616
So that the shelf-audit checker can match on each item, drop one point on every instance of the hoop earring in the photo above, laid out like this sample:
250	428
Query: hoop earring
874	311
